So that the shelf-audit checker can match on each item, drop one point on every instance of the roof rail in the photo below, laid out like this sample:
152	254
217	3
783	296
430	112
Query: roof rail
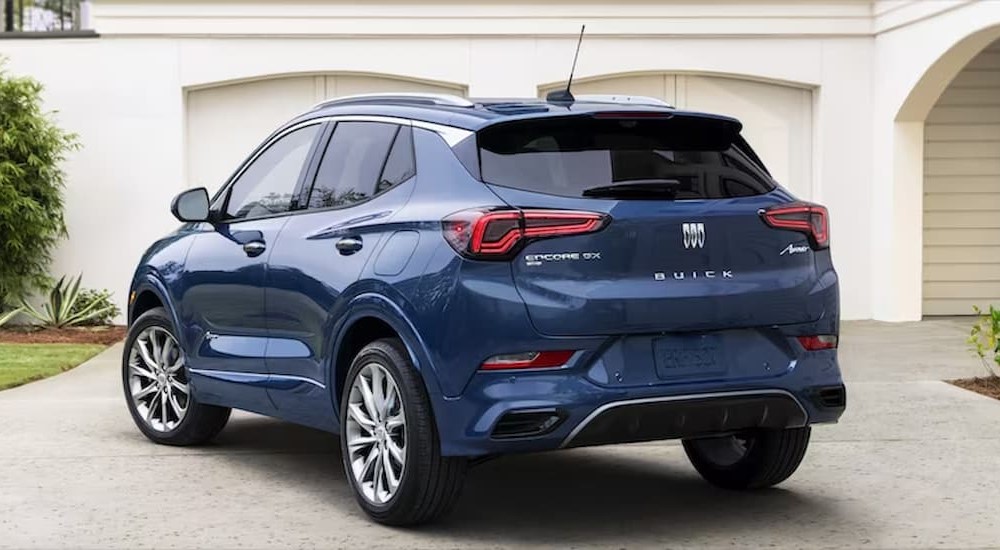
400	97
625	99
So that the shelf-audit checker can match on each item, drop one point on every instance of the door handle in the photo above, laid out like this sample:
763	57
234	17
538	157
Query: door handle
349	245
254	248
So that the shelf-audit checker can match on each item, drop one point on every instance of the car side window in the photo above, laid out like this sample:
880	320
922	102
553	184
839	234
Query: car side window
362	160
266	186
401	164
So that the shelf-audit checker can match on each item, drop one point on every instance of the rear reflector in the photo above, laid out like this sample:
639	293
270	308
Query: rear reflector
808	218
528	360
818	342
495	234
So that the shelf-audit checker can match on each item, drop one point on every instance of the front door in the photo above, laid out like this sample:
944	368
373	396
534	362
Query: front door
222	306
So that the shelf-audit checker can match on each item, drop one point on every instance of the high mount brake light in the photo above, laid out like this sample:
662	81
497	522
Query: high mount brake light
632	114
804	217
495	234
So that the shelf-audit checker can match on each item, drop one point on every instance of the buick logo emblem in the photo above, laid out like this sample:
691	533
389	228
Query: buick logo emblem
694	235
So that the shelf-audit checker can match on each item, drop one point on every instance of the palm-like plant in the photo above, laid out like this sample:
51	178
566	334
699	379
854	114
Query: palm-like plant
58	312
4	317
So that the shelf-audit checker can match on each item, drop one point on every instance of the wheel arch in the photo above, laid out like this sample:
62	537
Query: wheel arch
150	292
371	317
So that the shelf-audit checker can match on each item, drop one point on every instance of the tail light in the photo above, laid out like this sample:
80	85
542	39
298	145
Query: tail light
528	360
495	234
818	342
811	219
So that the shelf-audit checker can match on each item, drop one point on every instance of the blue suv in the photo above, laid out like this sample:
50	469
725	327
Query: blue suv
440	281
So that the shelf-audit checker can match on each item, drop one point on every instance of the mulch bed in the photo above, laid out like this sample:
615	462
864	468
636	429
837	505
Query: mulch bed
989	386
78	335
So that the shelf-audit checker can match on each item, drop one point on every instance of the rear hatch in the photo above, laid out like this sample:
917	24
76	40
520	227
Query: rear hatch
685	244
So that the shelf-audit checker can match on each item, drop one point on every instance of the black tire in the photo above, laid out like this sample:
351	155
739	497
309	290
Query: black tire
200	424
768	458
430	484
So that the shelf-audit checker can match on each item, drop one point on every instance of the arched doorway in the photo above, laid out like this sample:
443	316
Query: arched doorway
777	118
225	122
915	64
961	191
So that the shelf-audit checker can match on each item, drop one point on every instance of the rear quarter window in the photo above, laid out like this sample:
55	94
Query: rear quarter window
702	157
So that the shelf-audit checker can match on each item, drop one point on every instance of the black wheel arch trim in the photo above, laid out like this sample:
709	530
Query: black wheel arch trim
374	305
150	283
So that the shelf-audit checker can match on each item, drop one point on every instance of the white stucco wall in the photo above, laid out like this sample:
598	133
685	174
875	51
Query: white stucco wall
124	94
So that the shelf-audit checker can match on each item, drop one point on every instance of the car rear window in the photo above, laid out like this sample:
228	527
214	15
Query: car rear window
699	157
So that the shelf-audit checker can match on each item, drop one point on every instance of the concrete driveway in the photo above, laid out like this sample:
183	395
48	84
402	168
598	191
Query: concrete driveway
913	463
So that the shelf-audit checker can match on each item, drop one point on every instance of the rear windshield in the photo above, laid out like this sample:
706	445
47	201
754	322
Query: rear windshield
697	157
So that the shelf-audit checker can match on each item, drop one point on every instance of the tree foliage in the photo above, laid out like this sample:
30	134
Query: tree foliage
32	147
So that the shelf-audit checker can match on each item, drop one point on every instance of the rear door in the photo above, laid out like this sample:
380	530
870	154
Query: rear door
364	176
686	247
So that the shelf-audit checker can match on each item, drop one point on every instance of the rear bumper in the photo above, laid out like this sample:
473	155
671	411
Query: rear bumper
511	413
676	417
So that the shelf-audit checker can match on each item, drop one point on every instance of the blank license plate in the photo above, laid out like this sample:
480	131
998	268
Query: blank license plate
687	355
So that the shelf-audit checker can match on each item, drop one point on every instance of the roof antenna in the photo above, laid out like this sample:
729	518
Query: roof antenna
565	96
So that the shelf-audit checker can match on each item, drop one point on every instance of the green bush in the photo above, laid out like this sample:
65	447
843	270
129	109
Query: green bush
985	338
99	300
31	183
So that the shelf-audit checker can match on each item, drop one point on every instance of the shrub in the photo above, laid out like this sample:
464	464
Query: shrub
64	297
985	338
31	182
102	298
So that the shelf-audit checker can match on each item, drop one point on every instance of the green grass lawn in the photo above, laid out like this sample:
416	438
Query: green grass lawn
23	363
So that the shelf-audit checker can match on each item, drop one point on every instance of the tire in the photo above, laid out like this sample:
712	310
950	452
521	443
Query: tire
767	457
428	484
198	423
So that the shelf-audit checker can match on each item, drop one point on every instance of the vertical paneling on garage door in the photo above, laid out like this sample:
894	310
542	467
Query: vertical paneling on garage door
962	191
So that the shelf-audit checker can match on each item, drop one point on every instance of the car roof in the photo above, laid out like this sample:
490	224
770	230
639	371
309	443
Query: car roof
476	114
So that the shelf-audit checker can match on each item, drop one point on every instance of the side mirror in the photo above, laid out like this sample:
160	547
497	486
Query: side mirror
191	205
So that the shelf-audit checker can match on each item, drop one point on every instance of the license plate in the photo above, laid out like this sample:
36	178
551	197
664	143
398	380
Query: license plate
687	355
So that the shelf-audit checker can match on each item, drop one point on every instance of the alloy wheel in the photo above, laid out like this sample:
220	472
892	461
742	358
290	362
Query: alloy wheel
157	382
376	433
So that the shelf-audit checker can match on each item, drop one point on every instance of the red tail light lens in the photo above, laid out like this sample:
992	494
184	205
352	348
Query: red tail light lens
811	219
818	342
528	360
495	234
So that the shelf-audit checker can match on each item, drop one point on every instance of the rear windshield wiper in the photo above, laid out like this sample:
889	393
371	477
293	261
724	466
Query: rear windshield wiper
653	189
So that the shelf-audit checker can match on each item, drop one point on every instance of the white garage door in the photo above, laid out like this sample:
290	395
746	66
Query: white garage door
777	119
225	123
962	192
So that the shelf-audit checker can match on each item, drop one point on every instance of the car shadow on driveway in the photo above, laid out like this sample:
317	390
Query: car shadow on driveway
642	494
